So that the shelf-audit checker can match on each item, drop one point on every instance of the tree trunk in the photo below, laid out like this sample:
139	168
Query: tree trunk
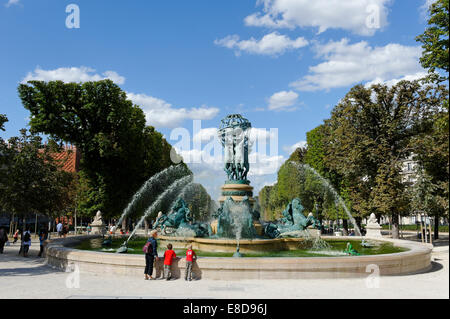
146	226
11	225
436	226
358	223
345	227
35	227
395	226
76	222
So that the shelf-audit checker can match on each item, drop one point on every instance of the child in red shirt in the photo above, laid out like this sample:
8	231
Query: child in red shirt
169	255
190	258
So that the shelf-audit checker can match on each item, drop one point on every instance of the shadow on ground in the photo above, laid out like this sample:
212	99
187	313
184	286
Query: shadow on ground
29	271
35	266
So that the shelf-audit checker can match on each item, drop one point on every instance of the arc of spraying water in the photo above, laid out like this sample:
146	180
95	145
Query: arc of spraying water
174	188
147	187
186	194
337	197
183	194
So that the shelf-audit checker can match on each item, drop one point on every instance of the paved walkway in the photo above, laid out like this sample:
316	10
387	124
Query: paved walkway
30	278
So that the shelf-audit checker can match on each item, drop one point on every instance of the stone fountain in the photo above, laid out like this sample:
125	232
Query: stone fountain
237	221
236	229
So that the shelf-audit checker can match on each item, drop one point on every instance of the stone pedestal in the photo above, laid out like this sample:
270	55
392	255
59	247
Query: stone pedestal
237	192
258	228
98	229
214	226
373	229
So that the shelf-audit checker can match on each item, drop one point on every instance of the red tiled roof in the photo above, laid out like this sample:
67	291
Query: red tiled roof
69	159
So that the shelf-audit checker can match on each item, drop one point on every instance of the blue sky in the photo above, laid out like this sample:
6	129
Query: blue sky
281	63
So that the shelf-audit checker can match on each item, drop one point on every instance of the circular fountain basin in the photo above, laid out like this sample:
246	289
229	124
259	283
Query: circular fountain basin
229	245
61	253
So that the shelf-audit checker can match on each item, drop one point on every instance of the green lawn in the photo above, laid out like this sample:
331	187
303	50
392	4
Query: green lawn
443	229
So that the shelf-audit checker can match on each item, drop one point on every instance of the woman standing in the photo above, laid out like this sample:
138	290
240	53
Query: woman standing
151	253
43	236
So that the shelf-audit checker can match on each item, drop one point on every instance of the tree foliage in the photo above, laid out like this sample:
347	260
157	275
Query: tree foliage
435	39
422	193
31	180
432	153
3	120
119	152
372	133
199	202
432	146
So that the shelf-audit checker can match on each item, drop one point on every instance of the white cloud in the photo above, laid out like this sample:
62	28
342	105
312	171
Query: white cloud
424	9
211	175
392	82
205	135
292	148
256	136
207	164
264	164
348	64
261	134
73	74
159	113
363	17
271	44
12	2
283	101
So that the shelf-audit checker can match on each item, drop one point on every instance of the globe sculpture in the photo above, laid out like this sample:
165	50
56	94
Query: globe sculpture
234	134
236	216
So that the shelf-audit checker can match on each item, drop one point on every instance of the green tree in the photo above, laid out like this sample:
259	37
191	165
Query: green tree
423	193
32	181
297	180
199	202
119	152
371	133
3	120
317	157
435	39
432	147
3	152
298	155
432	153
264	203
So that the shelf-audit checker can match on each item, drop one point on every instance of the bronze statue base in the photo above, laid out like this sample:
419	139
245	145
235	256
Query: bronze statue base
237	192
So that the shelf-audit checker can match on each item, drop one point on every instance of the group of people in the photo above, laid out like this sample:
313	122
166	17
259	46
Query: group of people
151	254
62	229
25	240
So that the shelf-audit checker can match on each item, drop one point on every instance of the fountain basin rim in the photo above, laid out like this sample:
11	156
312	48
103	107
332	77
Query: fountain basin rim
65	245
60	255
